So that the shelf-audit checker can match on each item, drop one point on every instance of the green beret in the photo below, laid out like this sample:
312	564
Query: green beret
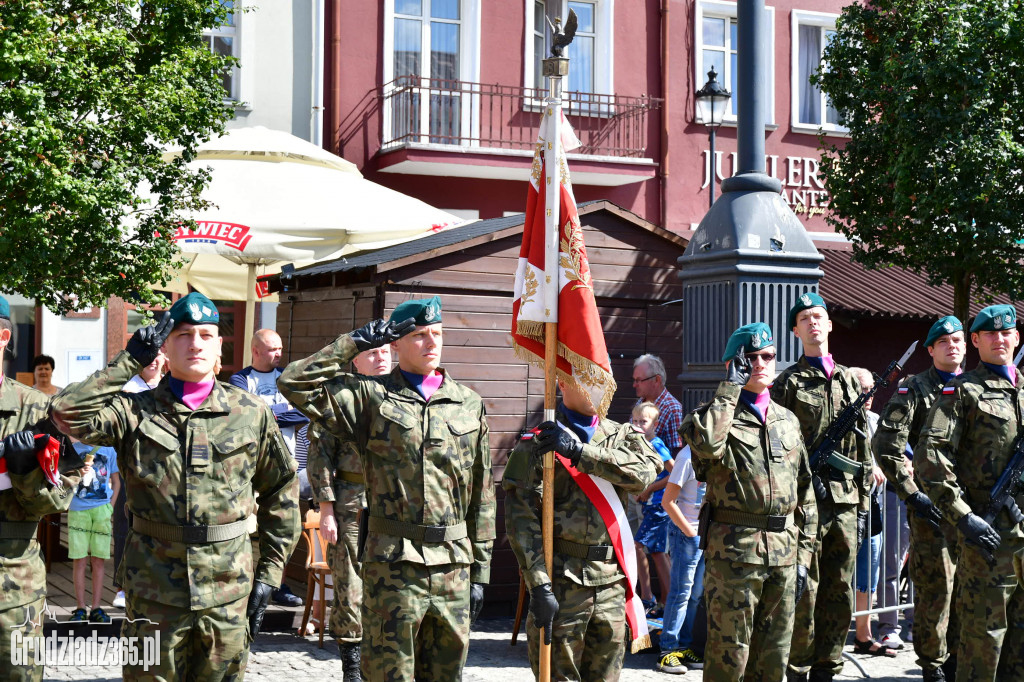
194	309
424	310
946	325
5	309
995	318
751	337
807	300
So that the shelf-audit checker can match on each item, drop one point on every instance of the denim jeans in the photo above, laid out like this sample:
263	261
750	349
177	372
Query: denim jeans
684	594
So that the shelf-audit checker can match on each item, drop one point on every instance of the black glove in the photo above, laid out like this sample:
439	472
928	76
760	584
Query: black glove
258	600
476	600
1014	511
738	370
19	451
801	581
145	343
380	333
544	608
977	532
819	487
863	525
924	508
554	437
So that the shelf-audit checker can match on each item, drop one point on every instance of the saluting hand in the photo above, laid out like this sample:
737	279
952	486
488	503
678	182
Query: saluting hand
145	343
738	370
377	333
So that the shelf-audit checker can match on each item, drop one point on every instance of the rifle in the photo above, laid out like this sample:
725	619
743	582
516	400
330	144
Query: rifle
1009	485
845	422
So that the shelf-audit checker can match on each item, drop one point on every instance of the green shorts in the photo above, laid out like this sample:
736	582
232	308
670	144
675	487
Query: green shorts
89	532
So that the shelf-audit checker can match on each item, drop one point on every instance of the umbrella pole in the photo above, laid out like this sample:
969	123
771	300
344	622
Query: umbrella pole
250	314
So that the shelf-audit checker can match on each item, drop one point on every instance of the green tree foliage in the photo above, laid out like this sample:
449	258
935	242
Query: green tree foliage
931	176
92	92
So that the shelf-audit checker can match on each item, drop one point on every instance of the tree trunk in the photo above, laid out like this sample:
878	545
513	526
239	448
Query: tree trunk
962	296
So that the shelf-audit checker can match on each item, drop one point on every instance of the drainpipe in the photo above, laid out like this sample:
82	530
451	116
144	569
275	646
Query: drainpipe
316	122
335	84
664	112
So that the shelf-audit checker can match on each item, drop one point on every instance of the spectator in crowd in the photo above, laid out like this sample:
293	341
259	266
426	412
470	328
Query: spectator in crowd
649	379
681	501
261	378
652	535
89	526
42	371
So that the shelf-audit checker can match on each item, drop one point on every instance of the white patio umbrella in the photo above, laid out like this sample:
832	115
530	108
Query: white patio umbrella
278	199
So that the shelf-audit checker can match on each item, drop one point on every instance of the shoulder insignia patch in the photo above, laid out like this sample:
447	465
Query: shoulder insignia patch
903	390
948	390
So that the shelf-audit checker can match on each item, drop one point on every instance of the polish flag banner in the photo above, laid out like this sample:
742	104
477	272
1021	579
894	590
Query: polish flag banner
582	354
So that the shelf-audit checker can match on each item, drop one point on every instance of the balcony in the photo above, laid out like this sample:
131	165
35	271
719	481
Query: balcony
463	129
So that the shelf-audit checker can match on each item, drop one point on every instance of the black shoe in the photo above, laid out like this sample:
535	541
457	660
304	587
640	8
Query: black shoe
795	677
936	675
820	675
283	596
350	661
949	668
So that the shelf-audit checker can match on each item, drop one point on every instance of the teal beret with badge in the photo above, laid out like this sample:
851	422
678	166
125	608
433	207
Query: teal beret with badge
194	309
5	309
995	318
424	310
805	301
751	337
946	325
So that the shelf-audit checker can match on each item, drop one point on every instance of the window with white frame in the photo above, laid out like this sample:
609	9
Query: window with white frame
715	43
431	50
590	53
223	40
811	108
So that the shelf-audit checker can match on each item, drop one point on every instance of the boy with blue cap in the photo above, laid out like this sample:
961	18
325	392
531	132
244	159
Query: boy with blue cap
933	541
966	443
759	518
192	452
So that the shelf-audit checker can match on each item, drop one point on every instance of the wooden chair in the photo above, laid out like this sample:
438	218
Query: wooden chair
317	571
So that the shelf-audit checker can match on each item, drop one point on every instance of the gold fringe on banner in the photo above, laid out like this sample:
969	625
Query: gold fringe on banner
640	644
588	373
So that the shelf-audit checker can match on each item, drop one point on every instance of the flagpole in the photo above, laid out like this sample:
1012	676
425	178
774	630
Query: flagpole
555	68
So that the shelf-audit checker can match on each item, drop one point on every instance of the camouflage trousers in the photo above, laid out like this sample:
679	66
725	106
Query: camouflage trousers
588	638
206	646
750	620
415	621
27	619
933	557
346	606
823	614
991	606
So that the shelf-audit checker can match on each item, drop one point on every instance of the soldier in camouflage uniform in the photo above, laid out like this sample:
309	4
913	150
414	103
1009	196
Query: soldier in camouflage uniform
759	520
933	542
965	444
422	438
26	495
582	606
192	452
336	478
816	389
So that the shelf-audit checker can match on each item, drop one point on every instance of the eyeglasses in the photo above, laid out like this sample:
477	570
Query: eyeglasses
765	357
640	381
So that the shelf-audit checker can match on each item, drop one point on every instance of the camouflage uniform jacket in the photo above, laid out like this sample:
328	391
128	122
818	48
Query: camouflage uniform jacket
29	498
171	478
967	441
328	457
424	462
803	390
619	454
900	424
753	468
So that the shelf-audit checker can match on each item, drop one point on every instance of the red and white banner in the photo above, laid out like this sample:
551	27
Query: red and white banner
582	354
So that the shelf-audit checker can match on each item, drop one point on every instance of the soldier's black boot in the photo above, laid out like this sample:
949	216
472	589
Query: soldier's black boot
936	675
795	677
350	661
820	675
949	668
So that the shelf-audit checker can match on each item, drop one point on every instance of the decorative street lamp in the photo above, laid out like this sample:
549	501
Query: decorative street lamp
712	101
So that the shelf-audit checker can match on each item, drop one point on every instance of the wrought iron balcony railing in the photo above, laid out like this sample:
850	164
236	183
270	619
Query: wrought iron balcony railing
464	114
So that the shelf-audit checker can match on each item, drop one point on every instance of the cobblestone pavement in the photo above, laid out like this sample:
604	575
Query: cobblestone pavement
279	656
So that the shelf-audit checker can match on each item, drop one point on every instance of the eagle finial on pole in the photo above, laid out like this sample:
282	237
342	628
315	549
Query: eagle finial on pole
561	39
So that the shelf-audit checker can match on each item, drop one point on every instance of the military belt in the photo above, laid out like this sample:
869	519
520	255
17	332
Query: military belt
18	530
412	531
845	464
588	552
190	535
350	477
769	522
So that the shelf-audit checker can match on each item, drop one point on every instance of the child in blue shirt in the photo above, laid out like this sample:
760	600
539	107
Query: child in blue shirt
652	536
89	525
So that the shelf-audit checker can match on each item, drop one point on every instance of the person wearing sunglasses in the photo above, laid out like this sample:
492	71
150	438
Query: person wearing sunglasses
816	389
759	520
